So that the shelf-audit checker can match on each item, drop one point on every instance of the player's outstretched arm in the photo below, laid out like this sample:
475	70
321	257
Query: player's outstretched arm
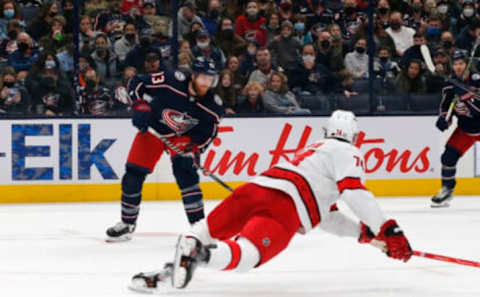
389	237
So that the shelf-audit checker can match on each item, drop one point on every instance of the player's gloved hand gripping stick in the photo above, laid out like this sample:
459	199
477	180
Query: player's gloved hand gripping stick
195	163
398	245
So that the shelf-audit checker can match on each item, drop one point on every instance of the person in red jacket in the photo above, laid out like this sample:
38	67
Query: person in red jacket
251	26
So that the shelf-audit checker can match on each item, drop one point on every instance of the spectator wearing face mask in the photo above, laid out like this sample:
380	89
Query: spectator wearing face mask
127	43
205	48
251	26
9	45
310	78
385	68
94	98
8	11
107	62
433	31
357	61
23	58
273	27
40	26
299	29
186	17
285	10
278	99
285	48
416	18
226	39
14	98
112	20
383	13
212	18
352	19
326	53
65	60
401	35
467	15
50	89
136	57
447	42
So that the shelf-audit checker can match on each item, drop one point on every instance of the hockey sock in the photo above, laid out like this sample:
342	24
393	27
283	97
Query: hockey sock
132	183
239	255
449	162
193	203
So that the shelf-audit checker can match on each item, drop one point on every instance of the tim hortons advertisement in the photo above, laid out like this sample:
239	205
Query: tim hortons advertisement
94	151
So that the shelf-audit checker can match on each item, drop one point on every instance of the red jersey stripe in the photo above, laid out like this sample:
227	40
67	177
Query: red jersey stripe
236	254
303	188
350	183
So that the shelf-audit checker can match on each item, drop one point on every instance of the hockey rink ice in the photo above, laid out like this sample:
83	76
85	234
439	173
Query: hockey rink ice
58	250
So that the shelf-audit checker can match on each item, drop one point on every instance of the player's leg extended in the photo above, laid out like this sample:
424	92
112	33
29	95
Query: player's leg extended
187	179
267	231
456	146
144	154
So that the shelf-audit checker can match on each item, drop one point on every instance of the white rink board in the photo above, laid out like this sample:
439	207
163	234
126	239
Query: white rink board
394	148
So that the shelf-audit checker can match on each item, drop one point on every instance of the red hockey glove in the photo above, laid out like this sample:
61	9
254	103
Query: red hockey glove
366	235
397	245
142	113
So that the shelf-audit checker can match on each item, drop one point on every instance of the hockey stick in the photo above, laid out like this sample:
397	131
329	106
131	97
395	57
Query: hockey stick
446	259
431	67
180	152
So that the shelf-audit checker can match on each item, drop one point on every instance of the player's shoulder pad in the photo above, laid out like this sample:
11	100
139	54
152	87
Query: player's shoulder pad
214	102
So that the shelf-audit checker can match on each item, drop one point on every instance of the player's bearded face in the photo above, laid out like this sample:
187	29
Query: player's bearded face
202	83
458	67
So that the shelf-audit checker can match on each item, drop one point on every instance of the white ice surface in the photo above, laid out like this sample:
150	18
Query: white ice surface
59	250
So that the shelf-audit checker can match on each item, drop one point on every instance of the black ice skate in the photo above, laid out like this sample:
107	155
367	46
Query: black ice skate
190	252
443	198
152	282
120	232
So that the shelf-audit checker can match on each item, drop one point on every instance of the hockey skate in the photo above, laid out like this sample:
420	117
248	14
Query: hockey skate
189	253
120	232
152	282
443	198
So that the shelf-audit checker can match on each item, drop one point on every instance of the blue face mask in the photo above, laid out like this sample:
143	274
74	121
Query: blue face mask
9	13
432	31
299	27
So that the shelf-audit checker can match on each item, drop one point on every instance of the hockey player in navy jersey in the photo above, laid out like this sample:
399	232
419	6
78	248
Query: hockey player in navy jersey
183	109
467	111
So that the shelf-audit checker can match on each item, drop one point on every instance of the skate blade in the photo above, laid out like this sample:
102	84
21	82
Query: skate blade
150	291
179	273
123	238
440	205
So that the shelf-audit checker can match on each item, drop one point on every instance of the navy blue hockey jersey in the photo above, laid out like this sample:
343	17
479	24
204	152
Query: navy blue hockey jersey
467	107
175	111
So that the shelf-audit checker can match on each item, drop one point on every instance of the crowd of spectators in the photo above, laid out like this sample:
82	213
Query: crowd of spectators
270	54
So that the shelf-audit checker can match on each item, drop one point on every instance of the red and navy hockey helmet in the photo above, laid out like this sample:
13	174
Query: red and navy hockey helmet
204	65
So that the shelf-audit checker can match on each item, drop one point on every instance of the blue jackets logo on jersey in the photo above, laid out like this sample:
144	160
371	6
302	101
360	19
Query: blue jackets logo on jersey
177	121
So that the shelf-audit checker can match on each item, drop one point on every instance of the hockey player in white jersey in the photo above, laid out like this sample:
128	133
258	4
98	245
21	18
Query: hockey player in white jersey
258	220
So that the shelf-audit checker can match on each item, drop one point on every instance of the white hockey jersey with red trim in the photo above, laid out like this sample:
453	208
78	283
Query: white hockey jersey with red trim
316	178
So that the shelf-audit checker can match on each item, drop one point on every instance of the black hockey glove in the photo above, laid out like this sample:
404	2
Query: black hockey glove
442	123
141	115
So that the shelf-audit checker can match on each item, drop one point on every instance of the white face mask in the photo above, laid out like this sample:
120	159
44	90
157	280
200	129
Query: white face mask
468	12
442	9
308	58
203	44
252	11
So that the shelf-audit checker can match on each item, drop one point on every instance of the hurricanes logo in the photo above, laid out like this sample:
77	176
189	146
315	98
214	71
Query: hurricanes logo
177	121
